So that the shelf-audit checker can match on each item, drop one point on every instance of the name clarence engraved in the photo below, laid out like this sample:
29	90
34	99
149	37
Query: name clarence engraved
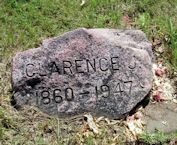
72	67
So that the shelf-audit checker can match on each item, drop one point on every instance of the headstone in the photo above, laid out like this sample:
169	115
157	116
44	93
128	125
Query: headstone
102	71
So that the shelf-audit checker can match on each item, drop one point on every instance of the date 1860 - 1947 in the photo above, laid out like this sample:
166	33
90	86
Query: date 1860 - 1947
57	95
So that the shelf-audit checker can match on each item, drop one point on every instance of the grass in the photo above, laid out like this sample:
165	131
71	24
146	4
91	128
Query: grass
158	137
25	23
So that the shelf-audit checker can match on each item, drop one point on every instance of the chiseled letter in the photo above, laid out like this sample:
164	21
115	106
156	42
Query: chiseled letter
54	68
114	63
67	66
101	64
78	66
93	65
29	70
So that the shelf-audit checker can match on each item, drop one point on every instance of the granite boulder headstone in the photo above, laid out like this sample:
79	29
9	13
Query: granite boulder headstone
102	71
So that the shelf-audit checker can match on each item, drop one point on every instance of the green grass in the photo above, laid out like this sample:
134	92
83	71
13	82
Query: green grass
157	138
25	23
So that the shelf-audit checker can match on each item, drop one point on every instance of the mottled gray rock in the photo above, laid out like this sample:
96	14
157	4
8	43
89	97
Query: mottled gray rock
102	71
161	116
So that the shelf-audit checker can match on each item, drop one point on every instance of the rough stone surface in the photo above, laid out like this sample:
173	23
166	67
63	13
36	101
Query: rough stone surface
161	116
102	71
